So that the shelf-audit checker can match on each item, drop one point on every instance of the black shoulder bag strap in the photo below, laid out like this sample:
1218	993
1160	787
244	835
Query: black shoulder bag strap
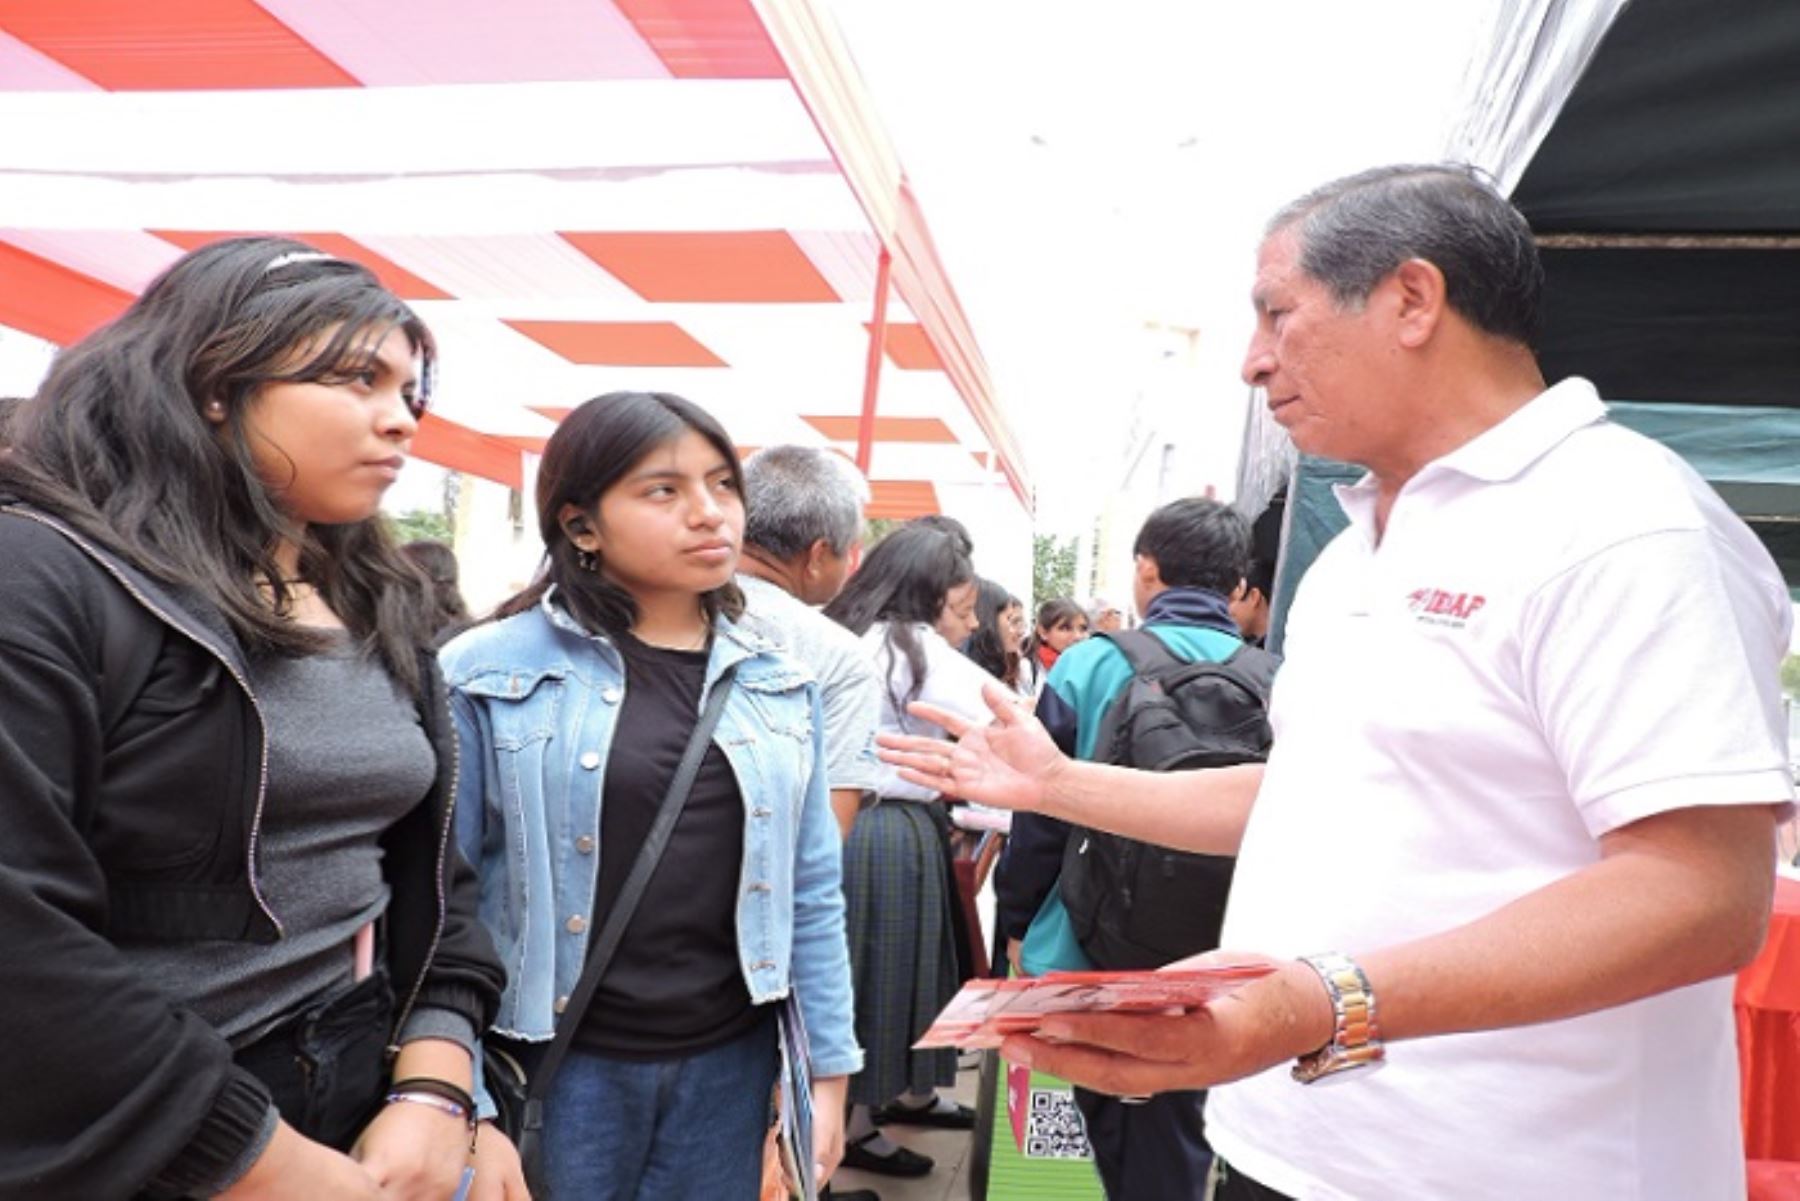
614	928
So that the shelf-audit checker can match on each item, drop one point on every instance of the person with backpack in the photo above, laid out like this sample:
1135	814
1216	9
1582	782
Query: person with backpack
1131	698
242	956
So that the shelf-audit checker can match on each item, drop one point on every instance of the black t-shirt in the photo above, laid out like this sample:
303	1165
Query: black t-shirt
674	987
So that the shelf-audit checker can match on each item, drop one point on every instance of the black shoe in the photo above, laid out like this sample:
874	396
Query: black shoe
898	1162
896	1114
856	1194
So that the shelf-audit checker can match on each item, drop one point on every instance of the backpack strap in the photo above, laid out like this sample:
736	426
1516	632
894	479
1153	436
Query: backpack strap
1253	667
1144	651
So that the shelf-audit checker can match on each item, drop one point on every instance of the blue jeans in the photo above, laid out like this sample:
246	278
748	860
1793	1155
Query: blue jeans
672	1130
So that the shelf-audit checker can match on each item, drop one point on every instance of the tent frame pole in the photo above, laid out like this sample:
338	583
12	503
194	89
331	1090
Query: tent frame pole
865	424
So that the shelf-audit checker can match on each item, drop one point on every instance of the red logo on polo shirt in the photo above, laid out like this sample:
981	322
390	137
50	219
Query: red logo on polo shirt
1441	607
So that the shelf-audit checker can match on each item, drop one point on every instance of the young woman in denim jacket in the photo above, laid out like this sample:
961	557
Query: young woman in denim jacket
572	708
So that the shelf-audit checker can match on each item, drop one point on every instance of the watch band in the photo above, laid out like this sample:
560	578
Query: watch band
1356	1037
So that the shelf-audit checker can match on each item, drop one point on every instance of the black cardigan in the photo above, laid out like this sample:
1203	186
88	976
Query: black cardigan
147	831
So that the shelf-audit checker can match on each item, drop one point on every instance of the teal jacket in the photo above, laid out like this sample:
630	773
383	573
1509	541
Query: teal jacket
1195	624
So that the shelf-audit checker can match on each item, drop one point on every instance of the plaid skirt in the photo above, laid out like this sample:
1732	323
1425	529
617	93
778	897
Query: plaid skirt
900	899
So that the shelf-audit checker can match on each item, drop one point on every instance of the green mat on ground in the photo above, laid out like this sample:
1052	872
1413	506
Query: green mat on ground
1000	1171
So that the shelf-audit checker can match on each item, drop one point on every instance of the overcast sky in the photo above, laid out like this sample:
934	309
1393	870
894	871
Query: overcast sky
1087	169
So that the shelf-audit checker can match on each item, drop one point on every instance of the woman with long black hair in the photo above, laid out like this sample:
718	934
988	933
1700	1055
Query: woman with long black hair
242	955
575	708
911	602
1061	623
997	645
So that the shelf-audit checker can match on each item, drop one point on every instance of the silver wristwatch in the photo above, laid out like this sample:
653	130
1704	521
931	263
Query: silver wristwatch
1356	1039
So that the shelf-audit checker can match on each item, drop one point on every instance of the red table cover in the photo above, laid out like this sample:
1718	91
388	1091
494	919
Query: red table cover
1768	1026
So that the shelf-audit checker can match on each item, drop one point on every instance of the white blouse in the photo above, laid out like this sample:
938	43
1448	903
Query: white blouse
952	681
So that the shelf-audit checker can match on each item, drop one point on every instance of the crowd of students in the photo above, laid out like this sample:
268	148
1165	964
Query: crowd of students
275	866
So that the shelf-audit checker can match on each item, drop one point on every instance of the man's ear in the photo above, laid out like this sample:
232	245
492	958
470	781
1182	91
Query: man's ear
1241	593
1420	300
1148	571
817	555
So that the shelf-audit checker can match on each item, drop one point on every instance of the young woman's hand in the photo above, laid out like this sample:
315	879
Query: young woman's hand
294	1168
414	1152
499	1176
828	1096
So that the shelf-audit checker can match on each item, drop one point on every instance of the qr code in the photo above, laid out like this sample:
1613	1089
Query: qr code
1053	1127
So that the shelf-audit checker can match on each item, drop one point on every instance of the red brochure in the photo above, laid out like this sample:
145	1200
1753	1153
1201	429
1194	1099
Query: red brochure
986	1011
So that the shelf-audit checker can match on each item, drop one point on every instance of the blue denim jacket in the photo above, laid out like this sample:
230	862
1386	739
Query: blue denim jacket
536	699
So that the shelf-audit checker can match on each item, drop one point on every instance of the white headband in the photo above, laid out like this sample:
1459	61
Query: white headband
292	257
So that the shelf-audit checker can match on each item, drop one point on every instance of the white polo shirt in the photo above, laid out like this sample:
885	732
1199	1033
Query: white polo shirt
1563	630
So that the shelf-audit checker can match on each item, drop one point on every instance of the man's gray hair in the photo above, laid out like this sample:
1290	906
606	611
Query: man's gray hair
797	495
1355	231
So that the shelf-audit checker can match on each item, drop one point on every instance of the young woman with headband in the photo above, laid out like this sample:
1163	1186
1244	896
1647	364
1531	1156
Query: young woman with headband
243	959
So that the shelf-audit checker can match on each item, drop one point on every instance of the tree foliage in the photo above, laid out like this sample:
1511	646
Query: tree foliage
877	528
1790	676
419	523
1052	567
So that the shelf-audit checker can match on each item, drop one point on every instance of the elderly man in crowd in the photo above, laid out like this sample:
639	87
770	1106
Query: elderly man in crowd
801	535
1518	821
802	532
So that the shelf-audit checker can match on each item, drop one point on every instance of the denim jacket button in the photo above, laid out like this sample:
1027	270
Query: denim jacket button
759	886
610	695
763	965
576	924
590	759
562	1003
585	844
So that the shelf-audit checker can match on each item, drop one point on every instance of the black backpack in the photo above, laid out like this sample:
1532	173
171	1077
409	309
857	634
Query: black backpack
1135	905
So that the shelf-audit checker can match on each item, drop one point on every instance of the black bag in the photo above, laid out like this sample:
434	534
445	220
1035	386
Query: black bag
518	1087
507	1081
1134	905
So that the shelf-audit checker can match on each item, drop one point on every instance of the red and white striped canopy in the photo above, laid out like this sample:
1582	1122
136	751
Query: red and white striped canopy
686	195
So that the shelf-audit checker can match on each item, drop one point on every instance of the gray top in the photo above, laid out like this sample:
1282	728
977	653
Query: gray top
849	691
347	759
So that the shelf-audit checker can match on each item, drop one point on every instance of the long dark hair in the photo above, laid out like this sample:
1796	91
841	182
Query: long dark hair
116	443
904	579
594	448
987	645
1050	614
450	613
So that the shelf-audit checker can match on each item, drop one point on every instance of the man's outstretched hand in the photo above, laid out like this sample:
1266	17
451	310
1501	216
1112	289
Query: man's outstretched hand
1009	763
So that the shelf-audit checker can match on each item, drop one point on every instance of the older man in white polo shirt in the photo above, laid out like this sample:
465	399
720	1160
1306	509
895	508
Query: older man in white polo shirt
1518	824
